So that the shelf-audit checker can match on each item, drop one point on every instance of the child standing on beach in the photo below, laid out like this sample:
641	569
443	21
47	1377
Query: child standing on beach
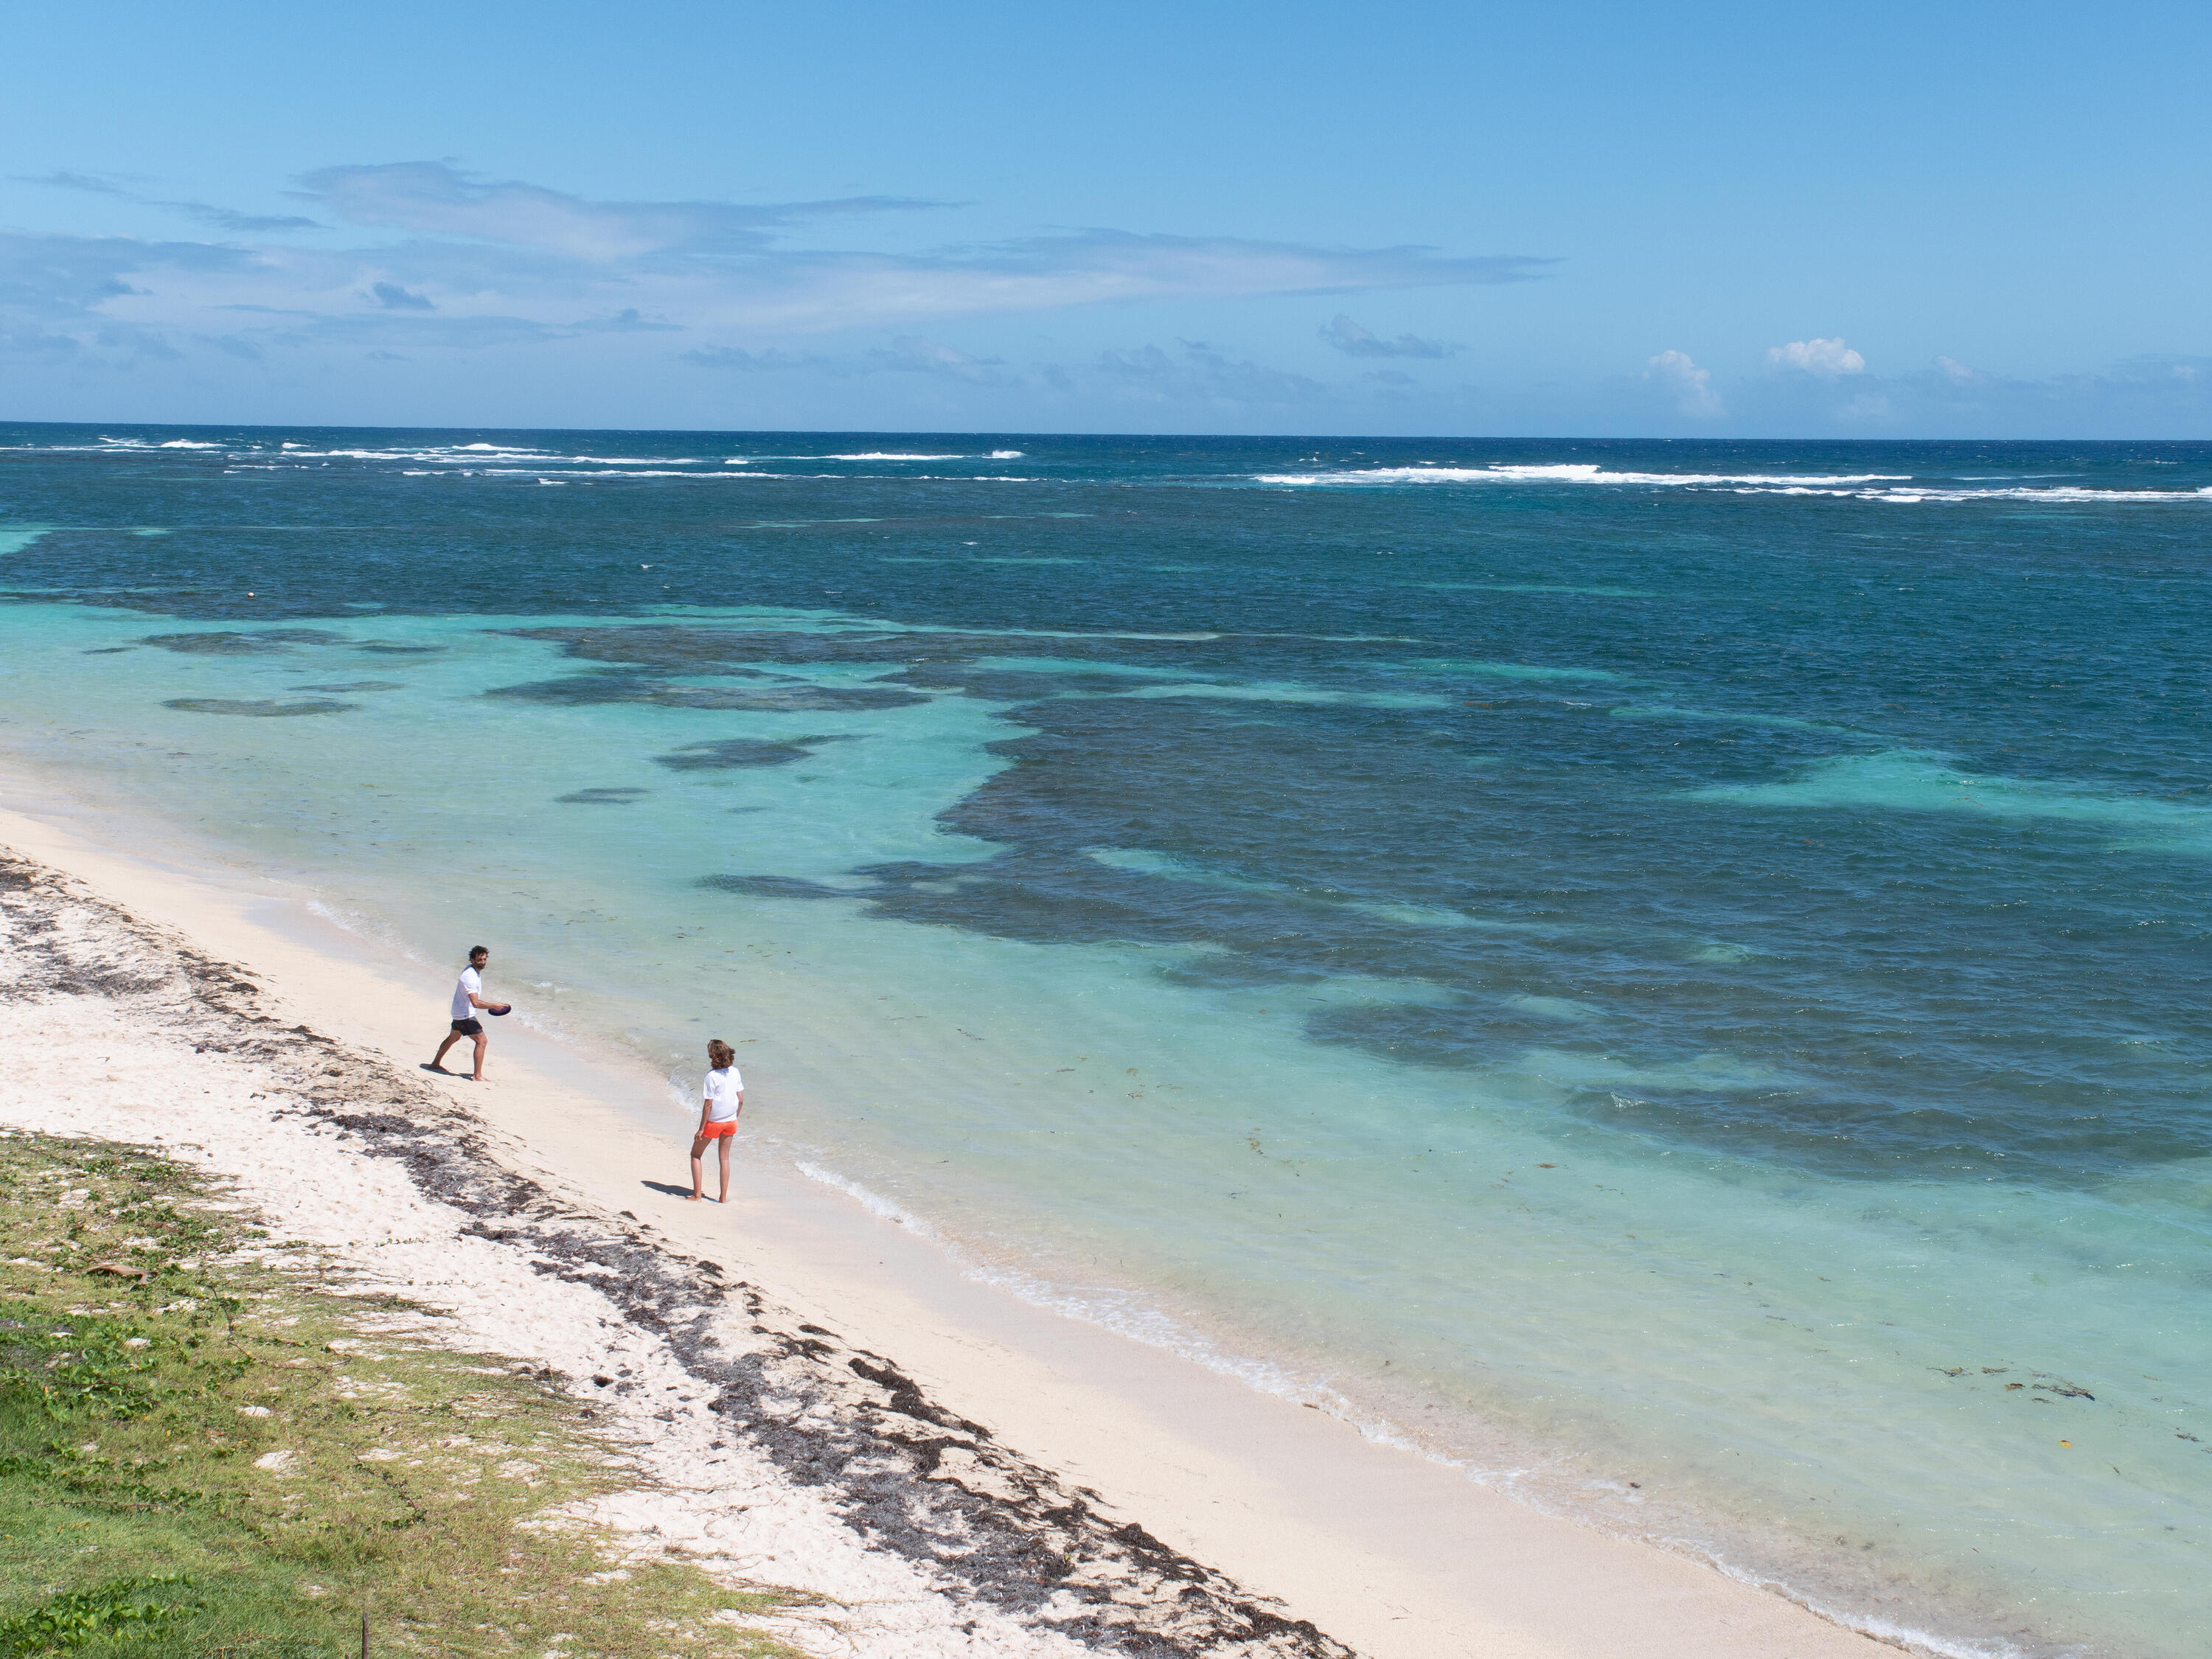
724	1098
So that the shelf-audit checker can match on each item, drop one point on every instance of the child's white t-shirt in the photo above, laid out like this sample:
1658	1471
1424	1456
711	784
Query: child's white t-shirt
720	1093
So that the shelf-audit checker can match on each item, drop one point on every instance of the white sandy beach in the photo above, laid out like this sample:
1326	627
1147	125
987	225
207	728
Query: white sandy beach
828	1402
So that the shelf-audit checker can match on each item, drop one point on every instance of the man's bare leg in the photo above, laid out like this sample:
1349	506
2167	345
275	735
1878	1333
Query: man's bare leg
438	1062
483	1042
698	1175
724	1197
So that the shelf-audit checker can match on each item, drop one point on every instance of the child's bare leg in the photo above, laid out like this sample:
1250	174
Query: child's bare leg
698	1175
724	1197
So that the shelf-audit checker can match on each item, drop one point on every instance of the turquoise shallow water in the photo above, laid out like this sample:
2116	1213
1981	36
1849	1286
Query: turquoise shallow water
1657	964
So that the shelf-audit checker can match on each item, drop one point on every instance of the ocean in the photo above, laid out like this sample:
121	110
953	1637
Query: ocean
1669	974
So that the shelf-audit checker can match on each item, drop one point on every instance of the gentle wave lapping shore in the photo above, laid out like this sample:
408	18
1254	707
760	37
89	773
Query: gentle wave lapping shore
783	1441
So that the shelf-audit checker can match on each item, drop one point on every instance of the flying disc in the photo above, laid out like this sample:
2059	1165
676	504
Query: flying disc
503	1008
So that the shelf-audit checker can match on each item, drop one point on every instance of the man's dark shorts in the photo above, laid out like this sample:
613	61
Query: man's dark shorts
469	1027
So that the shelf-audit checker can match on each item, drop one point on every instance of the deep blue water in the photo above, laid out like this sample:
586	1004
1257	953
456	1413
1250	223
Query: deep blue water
1831	817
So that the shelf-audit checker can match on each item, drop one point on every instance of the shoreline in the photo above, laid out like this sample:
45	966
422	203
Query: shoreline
1374	1546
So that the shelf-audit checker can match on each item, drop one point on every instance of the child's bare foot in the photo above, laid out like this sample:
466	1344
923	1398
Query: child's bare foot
695	1198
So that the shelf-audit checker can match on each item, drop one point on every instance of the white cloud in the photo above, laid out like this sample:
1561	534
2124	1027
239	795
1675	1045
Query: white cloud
1826	358
1957	372
1691	387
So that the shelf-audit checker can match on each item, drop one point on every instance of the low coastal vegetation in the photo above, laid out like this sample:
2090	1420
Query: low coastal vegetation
208	1447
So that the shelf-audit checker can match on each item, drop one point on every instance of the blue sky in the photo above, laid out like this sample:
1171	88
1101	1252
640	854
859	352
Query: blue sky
1866	220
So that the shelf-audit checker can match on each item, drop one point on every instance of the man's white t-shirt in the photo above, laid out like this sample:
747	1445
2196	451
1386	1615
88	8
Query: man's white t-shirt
471	983
723	1086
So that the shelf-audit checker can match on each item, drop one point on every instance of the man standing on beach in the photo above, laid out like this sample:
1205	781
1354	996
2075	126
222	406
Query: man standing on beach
468	998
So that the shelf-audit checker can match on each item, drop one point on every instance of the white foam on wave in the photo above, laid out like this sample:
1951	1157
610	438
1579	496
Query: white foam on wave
106	443
629	460
1564	472
1126	1314
889	455
1913	495
618	472
874	1203
2053	493
468	455
1896	487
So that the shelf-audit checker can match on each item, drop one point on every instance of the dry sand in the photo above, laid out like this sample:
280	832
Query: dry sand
825	1401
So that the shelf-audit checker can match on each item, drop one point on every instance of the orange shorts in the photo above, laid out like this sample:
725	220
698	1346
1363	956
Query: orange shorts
717	1131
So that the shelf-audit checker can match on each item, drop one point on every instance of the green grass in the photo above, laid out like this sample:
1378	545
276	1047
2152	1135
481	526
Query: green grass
203	1452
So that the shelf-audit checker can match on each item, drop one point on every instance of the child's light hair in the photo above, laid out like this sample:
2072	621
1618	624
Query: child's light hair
720	1054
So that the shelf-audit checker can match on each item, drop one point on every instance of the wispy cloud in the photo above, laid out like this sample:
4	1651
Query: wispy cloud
92	183
1197	374
1193	373
1355	341
910	353
221	218
435	199
509	261
737	359
628	320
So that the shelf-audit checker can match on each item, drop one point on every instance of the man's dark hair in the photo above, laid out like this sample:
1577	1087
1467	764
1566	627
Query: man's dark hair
476	950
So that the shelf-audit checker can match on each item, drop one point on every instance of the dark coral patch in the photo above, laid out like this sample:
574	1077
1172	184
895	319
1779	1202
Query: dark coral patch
260	708
586	689
600	797
259	642
729	753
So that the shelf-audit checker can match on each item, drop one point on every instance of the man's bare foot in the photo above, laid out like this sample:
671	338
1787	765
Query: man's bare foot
433	1066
